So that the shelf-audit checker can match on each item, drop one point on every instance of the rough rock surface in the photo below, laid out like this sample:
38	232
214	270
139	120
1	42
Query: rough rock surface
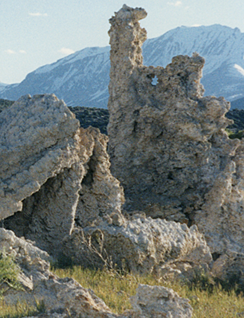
65	298
157	302
79	202
167	143
141	245
37	142
48	166
60	296
100	194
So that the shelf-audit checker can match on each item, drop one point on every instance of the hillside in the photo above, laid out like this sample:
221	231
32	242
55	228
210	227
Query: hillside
82	78
99	117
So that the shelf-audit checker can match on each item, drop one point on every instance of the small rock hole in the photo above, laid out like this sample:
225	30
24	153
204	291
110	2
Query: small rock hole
154	81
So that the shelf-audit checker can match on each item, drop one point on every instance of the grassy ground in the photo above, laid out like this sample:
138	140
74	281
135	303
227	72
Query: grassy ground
208	300
115	289
17	311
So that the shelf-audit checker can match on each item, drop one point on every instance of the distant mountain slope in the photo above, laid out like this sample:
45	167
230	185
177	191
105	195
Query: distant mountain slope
238	103
79	79
221	46
82	78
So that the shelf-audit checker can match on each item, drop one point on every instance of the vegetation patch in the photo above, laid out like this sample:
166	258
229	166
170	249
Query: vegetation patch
21	309
207	297
4	103
9	272
91	116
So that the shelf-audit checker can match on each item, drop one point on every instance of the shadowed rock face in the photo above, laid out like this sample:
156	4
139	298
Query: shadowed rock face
167	142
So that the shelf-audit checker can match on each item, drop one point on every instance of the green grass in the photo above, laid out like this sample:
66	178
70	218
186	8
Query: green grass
207	297
17	311
9	272
237	135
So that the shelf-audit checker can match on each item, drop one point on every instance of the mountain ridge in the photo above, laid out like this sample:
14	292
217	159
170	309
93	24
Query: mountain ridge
82	78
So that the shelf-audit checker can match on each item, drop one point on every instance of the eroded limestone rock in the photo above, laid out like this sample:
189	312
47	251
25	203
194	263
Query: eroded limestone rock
37	141
167	142
65	298
80	202
60	296
141	245
158	301
55	173
100	194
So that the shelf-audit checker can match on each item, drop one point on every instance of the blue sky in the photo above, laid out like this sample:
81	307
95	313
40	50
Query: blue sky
38	32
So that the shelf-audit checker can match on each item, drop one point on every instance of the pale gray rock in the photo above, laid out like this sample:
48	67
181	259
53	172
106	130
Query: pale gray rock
168	144
37	142
55	173
100	194
159	302
65	298
141	245
43	166
60	296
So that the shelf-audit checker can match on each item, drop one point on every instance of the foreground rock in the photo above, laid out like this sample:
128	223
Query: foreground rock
158	301
45	159
167	144
58	176
140	245
66	298
60	296
37	142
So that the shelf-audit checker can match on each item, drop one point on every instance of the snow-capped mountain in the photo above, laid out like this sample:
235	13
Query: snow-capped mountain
222	48
82	78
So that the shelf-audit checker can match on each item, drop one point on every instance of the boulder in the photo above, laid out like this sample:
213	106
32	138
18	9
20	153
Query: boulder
53	173
60	296
141	245
37	142
159	301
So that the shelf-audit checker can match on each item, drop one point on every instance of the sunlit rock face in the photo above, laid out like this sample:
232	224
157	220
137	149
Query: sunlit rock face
39	284
167	142
53	173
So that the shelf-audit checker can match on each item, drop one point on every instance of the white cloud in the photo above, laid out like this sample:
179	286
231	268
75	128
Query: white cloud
37	14
66	51
10	51
196	25
175	4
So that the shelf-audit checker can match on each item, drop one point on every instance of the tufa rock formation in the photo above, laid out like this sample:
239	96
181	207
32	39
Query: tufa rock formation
65	298
158	301
48	166
140	245
57	175
60	296
168	144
